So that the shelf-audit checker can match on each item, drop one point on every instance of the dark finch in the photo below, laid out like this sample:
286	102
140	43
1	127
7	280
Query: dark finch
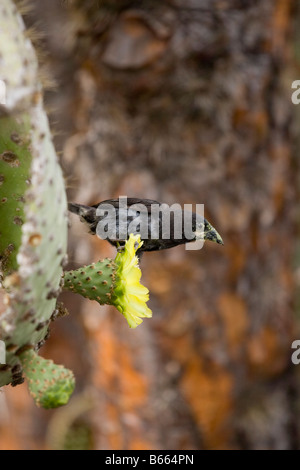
142	209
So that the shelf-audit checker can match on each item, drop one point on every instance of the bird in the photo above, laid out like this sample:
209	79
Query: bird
160	226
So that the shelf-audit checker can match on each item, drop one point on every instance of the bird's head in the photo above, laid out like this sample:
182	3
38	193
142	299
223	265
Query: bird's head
205	231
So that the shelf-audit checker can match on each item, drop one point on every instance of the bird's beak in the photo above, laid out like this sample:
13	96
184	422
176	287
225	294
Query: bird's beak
213	236
210	233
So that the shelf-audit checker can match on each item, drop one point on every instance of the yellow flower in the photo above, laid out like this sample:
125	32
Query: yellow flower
130	295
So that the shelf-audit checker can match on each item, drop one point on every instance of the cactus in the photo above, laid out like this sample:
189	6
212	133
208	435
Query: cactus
50	385
96	282
33	210
114	282
15	161
33	230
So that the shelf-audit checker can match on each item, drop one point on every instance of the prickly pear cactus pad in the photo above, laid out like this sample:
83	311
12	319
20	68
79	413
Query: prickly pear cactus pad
33	210
15	162
50	385
96	281
33	231
114	282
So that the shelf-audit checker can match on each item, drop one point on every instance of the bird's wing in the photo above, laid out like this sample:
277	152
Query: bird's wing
130	202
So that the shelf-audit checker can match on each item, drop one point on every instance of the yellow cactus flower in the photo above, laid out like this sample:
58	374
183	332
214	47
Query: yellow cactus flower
130	295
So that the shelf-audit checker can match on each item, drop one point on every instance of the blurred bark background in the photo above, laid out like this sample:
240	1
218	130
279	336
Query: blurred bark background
182	101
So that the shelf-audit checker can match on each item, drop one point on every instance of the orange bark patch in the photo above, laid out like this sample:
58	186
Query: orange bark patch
233	312
209	394
133	384
267	356
281	23
123	389
16	406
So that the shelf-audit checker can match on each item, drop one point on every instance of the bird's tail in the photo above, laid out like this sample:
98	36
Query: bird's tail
87	215
78	209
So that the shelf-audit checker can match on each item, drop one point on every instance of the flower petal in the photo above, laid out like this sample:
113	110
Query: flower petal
130	295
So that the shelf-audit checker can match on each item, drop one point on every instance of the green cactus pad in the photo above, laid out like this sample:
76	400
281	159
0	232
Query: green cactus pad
33	219
96	281
49	384
18	66
115	282
15	161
